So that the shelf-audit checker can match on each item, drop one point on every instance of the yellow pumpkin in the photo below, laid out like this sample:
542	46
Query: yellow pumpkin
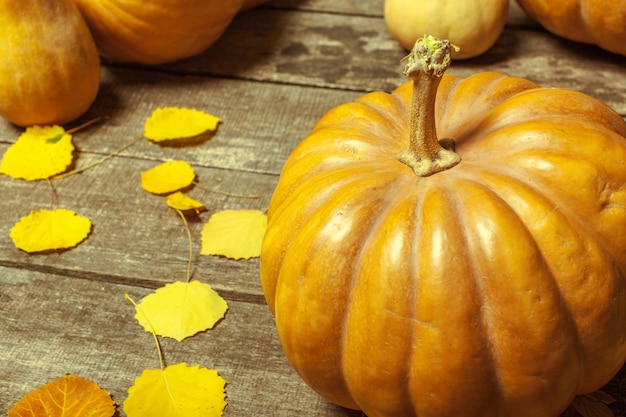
599	22
472	25
49	64
480	275
158	31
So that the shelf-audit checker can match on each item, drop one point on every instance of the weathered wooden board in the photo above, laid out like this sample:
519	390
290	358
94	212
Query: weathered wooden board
132	228
59	325
261	122
329	50
275	72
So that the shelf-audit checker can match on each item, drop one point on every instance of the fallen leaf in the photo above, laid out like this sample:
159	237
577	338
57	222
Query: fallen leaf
593	405
178	390
43	230
181	309
236	234
68	396
39	153
182	202
170	123
168	177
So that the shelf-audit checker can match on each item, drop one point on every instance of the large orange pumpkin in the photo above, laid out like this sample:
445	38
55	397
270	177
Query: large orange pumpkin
158	31
599	22
409	278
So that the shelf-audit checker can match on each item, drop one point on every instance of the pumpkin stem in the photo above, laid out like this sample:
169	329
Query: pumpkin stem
427	62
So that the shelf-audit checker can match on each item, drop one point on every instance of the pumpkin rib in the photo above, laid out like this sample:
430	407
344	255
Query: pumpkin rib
543	189
541	167
591	239
456	95
480	292
369	253
499	120
455	367
277	213
497	323
318	219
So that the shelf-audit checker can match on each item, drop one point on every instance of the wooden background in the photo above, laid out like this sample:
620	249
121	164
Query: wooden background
272	75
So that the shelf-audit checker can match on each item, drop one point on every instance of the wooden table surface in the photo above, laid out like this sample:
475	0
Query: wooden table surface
273	74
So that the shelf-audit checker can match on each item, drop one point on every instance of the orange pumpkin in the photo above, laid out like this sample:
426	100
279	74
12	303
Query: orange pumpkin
158	31
49	64
599	22
410	277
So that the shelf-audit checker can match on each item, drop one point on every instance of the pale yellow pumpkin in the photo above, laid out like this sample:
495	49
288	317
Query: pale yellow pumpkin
472	25
49	64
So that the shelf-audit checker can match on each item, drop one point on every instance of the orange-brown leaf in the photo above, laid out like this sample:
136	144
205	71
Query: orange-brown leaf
68	396
594	405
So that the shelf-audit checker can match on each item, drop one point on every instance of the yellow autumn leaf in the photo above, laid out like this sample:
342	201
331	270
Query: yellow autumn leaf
43	230
169	123
181	309
236	234
175	391
168	177
39	153
182	202
69	396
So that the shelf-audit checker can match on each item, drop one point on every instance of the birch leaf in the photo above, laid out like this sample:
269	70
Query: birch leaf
181	309
39	153
168	177
69	396
43	230
175	391
236	234
170	123
183	202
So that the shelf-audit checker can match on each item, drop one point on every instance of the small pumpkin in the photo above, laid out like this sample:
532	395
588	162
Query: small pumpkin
472	25
158	31
49	64
599	22
482	274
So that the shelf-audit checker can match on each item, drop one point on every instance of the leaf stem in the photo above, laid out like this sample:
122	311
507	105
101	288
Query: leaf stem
101	160
426	154
182	216
86	124
226	193
53	194
154	335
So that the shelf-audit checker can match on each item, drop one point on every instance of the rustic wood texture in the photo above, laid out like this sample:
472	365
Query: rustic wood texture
273	74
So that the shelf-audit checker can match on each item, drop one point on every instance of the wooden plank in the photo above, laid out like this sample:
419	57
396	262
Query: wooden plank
133	228
53	325
261	122
373	8
347	7
328	50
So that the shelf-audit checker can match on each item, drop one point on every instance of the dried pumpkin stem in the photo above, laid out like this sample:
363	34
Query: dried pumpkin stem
426	154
